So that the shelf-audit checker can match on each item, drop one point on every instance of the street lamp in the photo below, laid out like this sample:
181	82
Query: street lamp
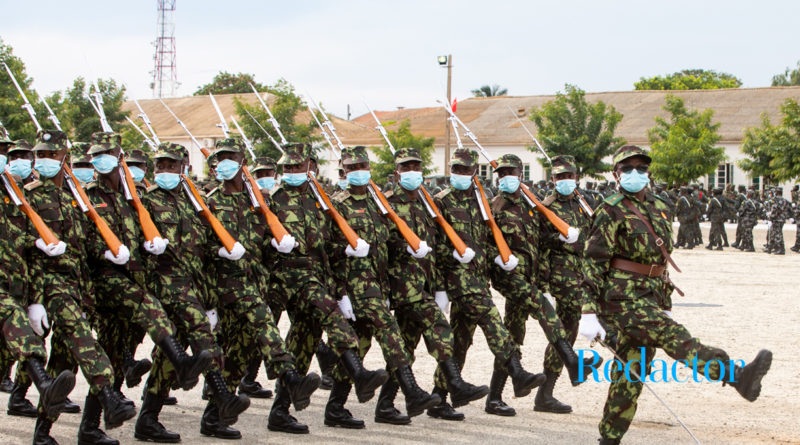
447	62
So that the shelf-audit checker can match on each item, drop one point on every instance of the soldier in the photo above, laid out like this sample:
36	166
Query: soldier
82	166
796	206
137	164
779	212
467	285
716	214
527	288
20	161
686	214
366	280
748	217
661	191
626	256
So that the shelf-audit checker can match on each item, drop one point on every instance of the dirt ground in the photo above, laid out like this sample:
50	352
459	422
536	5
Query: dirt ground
741	302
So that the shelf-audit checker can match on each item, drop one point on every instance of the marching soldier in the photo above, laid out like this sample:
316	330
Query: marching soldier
686	213
779	212
748	218
716	214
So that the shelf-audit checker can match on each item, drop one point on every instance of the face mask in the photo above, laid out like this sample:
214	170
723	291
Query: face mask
295	179
565	186
20	167
358	177
47	167
186	170
460	182
84	174
167	181
634	181
266	183
137	174
105	163
508	184
342	184
227	169
3	161
410	180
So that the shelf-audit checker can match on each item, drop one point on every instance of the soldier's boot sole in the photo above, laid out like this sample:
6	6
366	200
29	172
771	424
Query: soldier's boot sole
300	394
366	385
134	373
749	384
54	396
465	396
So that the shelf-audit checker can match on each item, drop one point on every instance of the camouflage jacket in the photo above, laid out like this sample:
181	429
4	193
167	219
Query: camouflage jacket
780	210
460	208
123	220
748	213
685	211
564	262
618	232
14	238
715	210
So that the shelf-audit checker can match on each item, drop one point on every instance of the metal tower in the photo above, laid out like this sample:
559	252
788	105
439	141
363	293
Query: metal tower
165	77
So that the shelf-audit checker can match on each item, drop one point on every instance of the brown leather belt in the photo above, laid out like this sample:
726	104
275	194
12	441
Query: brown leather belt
648	270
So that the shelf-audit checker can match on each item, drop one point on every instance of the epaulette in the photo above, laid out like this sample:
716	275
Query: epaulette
340	196
214	190
152	188
549	199
388	193
90	186
498	202
614	199
443	193
33	185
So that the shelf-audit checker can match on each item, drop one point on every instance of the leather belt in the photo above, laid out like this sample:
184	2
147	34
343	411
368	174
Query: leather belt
648	270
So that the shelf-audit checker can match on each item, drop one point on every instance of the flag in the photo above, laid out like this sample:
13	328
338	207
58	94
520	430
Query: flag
455	102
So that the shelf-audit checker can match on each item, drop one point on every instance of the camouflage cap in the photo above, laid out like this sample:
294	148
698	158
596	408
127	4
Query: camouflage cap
354	155
294	153
564	164
407	154
53	140
509	160
464	156
169	150
79	152
227	145
264	163
5	140
20	145
629	151
136	157
105	141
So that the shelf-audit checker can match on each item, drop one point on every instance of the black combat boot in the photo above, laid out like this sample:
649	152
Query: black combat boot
52	391
20	406
148	428
335	412
443	410
385	412
366	382
249	385
279	417
300	387
229	405
417	400
188	368
572	364
6	385
604	441
172	400
89	433
211	426
71	407
494	403
544	401
522	380
461	392
134	369
41	433
115	412
747	380
327	360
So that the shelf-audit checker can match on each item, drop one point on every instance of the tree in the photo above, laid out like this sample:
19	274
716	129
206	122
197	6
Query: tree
14	118
789	78
758	145
774	150
568	125
490	91
402	137
683	145
227	83
695	79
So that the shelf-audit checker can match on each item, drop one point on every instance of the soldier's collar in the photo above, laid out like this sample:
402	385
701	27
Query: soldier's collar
400	193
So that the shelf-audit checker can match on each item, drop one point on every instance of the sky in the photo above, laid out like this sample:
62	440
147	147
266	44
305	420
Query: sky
345	51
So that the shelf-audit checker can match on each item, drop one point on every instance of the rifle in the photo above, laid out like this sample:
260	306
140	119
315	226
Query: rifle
26	105
147	139
272	119
383	204
272	139
19	200
147	122
4	132
427	199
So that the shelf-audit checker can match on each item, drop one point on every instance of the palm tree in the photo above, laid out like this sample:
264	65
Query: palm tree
489	91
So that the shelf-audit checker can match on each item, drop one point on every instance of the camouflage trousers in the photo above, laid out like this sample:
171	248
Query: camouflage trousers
20	342
467	312
797	235
716	233
746	236
423	319
685	235
775	237
645	325
697	234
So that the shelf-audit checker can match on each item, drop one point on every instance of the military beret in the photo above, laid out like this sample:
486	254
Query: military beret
105	141
294	153
20	145
264	163
354	155
464	156
53	140
136	157
169	150
629	151
564	164
407	154
509	160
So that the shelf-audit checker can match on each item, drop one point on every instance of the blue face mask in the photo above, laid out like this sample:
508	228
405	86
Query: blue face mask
20	167
105	163
47	167
460	182
3	161
167	181
358	177
634	181
227	169
266	183
410	180
186	170
137	174
295	179
84	174
565	186
508	184
342	184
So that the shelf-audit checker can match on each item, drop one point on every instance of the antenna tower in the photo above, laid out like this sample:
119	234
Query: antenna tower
165	77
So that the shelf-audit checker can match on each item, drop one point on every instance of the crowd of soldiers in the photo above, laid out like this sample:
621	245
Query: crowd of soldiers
216	273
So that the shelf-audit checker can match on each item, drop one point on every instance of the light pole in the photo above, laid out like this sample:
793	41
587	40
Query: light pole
447	62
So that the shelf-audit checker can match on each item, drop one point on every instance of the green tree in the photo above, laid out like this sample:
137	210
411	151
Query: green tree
227	83
568	125
789	78
402	137
684	145
774	150
490	91
758	145
14	118
695	79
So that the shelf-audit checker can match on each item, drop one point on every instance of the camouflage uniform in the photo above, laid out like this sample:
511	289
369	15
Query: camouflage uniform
780	211
716	214
686	216
748	218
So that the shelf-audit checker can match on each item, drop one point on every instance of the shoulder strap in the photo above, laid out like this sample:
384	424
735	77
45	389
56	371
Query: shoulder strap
659	242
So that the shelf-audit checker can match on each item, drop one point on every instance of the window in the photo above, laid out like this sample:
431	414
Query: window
724	175
485	172
526	172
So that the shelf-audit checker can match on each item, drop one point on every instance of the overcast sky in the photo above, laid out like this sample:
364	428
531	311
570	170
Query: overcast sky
386	51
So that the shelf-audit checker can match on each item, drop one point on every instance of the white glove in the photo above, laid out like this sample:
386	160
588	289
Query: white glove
235	254
509	266
469	254
347	308
667	313
286	245
572	235
440	297
590	328
37	317
122	257
213	318
157	246
361	250
388	304
550	299
423	250
51	249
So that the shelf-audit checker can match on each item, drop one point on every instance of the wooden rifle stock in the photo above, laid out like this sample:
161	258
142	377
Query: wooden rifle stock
411	238
44	231
108	236
502	246
223	235
148	226
458	243
347	231
275	226
558	223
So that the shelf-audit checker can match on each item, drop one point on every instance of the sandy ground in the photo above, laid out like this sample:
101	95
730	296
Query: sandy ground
741	302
